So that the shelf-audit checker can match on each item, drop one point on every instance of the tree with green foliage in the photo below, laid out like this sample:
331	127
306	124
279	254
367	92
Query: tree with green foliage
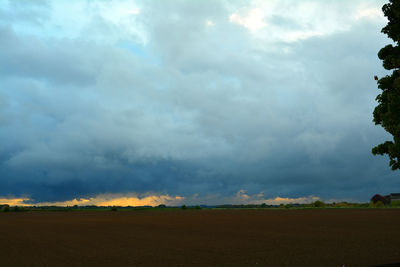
5	208
318	204
387	113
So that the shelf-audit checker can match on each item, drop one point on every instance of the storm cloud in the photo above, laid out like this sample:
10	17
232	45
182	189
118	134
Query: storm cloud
190	98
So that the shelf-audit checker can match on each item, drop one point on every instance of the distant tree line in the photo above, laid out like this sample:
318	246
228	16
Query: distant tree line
376	202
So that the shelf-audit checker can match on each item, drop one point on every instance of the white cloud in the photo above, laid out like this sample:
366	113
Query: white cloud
210	23
372	13
292	21
252	19
242	197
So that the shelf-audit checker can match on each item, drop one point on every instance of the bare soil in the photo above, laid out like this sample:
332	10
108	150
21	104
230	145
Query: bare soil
330	237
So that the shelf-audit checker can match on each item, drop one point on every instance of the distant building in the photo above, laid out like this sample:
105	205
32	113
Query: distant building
389	199
384	199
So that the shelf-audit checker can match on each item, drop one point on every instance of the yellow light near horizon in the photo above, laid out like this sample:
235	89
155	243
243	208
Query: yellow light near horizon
135	201
14	201
102	200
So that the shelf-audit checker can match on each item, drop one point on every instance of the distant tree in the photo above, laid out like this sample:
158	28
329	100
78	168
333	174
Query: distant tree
340	204
5	208
183	207
113	208
387	112
17	209
318	204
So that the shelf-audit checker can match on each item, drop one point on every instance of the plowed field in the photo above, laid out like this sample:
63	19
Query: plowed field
335	237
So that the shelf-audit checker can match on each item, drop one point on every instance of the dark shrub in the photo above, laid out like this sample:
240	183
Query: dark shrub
17	209
340	204
5	208
379	204
318	204
395	204
114	208
183	207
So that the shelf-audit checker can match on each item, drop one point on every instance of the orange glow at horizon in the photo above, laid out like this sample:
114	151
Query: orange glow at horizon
102	200
14	201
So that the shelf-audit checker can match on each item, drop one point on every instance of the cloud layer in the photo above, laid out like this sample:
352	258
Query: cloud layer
183	98
135	200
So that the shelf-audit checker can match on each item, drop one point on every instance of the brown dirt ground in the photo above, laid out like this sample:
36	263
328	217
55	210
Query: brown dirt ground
354	237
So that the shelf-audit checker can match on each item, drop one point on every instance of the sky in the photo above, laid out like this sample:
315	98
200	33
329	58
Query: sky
190	102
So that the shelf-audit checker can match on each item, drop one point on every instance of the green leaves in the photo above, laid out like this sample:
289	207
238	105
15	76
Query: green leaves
387	112
391	57
391	10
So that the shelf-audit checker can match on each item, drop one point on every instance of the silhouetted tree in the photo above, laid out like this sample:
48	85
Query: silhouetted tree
318	204
5	208
387	113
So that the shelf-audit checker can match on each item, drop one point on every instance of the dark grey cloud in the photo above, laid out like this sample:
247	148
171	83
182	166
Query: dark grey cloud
30	57
179	107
